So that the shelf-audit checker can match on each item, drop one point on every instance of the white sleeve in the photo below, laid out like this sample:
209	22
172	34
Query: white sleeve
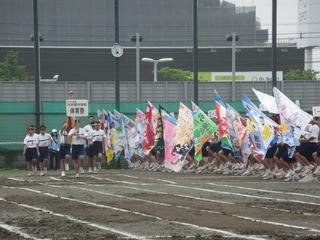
71	132
25	140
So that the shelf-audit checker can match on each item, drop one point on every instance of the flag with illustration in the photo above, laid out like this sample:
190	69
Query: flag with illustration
222	122
203	130
150	127
293	119
171	160
183	140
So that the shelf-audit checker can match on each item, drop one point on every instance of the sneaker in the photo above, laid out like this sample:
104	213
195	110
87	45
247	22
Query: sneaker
317	171
63	174
41	173
94	170
77	175
98	165
30	174
89	170
67	166
81	170
308	178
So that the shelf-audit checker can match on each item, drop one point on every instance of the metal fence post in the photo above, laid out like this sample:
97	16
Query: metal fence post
89	91
185	88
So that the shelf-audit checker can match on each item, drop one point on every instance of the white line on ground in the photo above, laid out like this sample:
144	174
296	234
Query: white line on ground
217	201
143	200
16	179
56	179
17	231
118	181
202	210
198	227
180	195
265	190
95	225
129	176
243	195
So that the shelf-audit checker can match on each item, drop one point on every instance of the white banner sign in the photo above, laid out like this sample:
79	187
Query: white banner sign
77	108
246	76
316	111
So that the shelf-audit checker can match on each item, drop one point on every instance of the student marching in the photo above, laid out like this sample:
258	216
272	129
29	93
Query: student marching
280	142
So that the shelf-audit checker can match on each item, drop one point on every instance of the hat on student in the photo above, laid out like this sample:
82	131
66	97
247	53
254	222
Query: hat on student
54	130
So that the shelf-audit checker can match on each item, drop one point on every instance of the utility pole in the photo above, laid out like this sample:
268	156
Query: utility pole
116	59
274	43
36	51
233	38
137	39
195	51
233	66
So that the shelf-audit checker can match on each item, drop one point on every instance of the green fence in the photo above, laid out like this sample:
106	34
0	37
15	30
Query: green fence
16	116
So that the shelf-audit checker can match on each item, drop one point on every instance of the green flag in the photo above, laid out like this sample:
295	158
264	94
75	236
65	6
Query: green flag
203	128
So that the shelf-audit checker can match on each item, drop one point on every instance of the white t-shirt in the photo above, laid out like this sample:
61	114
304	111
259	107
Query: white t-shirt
88	128
312	133
31	141
44	140
97	135
63	136
75	139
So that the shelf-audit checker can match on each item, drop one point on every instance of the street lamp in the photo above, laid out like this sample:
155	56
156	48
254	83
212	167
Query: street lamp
155	65
137	39
233	38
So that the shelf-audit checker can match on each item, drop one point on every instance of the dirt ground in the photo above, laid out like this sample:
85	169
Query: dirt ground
132	204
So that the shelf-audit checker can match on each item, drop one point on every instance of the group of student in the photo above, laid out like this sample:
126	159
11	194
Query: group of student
73	143
68	143
279	163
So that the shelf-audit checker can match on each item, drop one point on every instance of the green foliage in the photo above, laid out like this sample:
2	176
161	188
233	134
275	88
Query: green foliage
175	74
298	74
10	70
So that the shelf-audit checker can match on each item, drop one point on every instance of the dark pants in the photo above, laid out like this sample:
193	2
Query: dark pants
54	161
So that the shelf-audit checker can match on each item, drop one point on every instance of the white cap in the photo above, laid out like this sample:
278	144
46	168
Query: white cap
54	130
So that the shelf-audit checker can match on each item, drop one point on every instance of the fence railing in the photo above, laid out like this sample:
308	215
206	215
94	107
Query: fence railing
307	92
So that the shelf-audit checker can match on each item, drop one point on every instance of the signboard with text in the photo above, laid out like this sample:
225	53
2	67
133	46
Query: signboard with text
77	108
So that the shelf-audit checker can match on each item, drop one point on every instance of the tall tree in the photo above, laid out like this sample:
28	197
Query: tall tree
11	70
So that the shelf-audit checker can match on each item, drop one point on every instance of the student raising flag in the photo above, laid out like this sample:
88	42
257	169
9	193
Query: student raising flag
203	129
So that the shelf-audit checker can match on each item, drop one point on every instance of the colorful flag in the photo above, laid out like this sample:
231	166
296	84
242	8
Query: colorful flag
293	119
265	125
183	141
140	120
149	133
119	134
222	121
203	129
130	132
267	102
238	133
158	139
171	160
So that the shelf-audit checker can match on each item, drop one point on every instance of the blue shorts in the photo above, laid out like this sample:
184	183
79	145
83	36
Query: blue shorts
31	154
44	153
215	147
90	150
307	149
283	154
97	147
77	151
271	151
64	150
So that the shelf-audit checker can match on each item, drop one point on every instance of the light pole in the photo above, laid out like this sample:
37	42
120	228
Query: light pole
137	39
36	50
274	43
233	38
155	65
